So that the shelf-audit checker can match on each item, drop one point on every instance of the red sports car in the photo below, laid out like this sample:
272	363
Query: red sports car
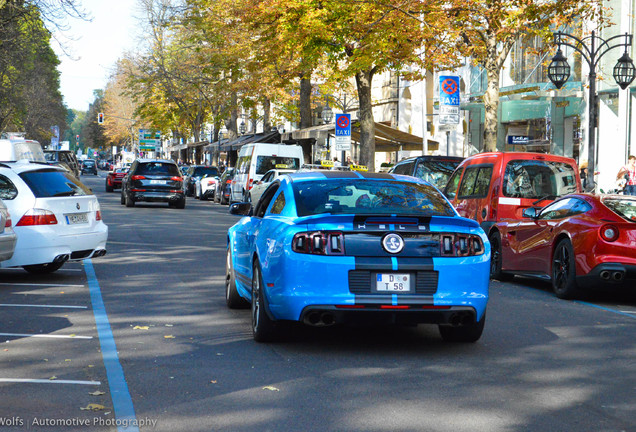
114	178
579	241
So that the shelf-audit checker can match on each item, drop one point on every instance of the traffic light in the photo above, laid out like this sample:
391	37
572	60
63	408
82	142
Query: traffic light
100	118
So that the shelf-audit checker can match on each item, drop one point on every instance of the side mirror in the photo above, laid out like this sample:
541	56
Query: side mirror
241	209
530	212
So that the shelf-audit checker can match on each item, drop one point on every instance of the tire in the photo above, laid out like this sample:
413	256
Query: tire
232	297
465	333
43	268
129	201
564	271
123	200
108	187
180	204
496	258
263	327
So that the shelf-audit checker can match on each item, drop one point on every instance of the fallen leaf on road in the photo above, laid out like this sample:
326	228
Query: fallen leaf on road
213	381
169	337
67	360
53	378
141	328
270	388
97	393
93	407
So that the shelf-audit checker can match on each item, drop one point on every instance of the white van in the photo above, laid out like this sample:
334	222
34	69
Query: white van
254	160
15	148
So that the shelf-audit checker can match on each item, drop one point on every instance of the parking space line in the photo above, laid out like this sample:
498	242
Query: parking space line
48	381
49	336
42	306
627	314
122	401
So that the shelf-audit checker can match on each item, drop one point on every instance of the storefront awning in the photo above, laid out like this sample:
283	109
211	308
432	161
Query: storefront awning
272	137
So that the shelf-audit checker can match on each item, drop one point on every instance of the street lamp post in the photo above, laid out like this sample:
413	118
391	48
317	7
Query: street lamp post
327	116
591	48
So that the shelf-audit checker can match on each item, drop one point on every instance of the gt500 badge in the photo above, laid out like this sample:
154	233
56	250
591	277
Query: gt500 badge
393	243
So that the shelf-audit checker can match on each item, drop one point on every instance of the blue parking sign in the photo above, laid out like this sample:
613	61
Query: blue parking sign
449	90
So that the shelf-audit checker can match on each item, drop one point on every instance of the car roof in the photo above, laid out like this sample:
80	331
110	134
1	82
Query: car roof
25	166
360	175
140	160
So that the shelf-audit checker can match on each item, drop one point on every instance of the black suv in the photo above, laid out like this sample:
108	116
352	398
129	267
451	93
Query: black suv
89	167
434	169
64	158
153	180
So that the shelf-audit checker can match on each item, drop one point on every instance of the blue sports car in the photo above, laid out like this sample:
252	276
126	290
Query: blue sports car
333	247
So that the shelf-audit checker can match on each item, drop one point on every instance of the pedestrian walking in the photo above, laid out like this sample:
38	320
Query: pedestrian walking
627	174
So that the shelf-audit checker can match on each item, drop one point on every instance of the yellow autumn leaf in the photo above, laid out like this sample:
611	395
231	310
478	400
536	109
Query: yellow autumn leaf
169	337
270	388
93	407
141	328
53	378
97	393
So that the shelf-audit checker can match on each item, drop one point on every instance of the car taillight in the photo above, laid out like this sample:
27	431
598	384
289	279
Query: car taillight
98	215
177	179
452	244
37	217
138	177
7	222
319	243
228	181
609	233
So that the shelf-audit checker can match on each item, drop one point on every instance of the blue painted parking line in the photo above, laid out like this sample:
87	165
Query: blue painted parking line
122	402
606	309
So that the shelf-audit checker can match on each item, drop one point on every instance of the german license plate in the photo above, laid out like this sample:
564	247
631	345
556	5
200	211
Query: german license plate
77	218
393	282
158	182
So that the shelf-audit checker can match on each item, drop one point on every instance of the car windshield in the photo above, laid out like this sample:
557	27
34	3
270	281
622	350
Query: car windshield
201	171
355	196
436	173
53	183
50	156
266	163
158	168
625	208
536	179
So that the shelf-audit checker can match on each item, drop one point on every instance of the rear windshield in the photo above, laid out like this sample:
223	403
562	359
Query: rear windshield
625	208
53	183
538	179
89	162
436	173
354	196
50	156
157	168
201	171
266	163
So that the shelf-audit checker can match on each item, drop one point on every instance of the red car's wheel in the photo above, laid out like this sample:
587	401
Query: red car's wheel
564	271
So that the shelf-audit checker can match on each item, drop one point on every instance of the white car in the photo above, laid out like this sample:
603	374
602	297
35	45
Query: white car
205	187
56	218
259	187
7	235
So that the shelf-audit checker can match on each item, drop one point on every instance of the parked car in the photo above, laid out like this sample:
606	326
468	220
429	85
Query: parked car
579	241
56	218
7	235
395	249
222	193
153	180
114	179
64	158
14	147
89	166
259	187
196	173
205	187
434	169
255	159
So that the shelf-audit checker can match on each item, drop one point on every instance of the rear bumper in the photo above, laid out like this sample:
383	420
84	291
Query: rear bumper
157	196
609	274
7	245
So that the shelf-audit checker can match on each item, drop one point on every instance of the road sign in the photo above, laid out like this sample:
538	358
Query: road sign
343	132
449	99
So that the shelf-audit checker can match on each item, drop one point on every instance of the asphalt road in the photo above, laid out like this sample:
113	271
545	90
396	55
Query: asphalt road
187	363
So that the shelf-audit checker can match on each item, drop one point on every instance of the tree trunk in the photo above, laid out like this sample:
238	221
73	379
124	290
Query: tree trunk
305	101
491	105
367	124
267	108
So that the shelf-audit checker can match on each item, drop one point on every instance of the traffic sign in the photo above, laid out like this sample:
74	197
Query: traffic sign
343	132
449	99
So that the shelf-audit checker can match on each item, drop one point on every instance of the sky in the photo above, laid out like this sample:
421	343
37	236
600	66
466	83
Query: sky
94	48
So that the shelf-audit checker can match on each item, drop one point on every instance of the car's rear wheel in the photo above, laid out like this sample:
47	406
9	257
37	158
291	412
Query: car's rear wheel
232	297
467	333
181	203
129	201
564	271
263	327
109	187
43	268
496	258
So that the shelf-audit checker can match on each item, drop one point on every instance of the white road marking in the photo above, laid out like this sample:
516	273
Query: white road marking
44	285
37	335
42	306
48	381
